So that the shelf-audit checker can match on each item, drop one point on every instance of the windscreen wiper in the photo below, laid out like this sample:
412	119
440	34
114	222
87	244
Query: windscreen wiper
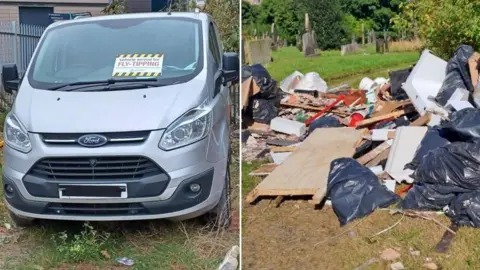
113	87
102	82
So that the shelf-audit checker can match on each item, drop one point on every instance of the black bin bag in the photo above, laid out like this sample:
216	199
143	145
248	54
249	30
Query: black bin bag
464	124
424	196
355	191
457	75
263	110
457	164
267	85
465	210
324	122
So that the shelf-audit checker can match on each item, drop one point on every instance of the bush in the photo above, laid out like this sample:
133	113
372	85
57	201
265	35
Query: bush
226	15
444	25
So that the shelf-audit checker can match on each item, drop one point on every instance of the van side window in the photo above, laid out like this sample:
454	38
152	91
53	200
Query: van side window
213	44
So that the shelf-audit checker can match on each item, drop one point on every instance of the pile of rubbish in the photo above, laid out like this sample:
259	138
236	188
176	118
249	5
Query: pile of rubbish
419	144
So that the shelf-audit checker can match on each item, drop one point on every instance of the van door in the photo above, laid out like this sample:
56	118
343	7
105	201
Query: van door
221	96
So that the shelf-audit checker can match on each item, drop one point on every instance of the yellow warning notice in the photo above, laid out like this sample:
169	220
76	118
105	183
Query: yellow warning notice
138	65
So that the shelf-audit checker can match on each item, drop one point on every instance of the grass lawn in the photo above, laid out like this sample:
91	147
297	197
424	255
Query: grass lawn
335	69
87	246
297	236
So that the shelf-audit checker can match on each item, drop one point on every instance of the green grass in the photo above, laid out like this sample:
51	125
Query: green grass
333	67
152	245
249	182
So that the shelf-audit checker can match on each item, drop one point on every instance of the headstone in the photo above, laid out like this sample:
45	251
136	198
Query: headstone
314	36
258	51
308	44
308	28
308	39
380	46
349	49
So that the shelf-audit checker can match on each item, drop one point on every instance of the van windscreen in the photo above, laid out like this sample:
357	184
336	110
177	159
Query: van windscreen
169	49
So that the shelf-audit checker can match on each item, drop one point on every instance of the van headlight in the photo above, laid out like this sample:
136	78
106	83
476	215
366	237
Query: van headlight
16	136
191	127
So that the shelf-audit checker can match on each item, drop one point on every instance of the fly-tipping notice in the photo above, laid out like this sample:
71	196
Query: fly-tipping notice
138	65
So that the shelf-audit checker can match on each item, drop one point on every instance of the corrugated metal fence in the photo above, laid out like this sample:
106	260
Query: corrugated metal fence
17	44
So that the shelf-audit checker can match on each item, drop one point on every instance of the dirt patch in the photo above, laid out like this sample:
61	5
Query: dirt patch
296	236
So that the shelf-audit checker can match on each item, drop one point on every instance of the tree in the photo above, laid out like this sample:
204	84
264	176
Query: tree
327	19
380	11
444	25
226	14
115	7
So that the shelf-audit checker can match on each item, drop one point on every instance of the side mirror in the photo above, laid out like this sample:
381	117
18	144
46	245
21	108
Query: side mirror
10	79
231	67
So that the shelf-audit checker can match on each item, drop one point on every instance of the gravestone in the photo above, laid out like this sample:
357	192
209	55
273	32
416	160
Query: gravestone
349	48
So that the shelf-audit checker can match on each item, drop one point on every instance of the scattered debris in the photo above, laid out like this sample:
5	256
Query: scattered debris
414	252
125	261
230	262
106	254
447	239
430	265
420	126
367	264
397	266
390	254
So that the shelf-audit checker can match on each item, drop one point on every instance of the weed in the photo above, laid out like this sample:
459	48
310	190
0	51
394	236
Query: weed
88	244
405	46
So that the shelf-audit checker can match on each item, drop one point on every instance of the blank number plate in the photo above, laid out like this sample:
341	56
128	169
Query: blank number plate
90	191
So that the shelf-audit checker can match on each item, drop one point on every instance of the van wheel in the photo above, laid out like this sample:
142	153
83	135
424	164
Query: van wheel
20	221
219	217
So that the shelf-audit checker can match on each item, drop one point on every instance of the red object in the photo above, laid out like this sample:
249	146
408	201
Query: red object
405	189
356	117
326	109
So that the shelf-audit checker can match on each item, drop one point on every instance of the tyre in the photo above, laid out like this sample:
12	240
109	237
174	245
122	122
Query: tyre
219	217
20	221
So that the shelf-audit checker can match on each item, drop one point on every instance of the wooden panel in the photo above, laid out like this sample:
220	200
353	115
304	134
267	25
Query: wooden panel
306	171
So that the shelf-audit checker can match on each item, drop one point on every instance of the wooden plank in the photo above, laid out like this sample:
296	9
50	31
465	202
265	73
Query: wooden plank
313	108
386	107
279	201
380	118
381	157
306	171
266	169
374	153
282	149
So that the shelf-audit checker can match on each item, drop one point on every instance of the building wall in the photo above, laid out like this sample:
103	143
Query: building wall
8	13
96	11
139	6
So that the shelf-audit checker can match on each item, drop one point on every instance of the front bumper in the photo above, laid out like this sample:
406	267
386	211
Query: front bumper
191	164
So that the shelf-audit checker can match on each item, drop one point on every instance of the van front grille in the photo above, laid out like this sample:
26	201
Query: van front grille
110	209
112	137
95	168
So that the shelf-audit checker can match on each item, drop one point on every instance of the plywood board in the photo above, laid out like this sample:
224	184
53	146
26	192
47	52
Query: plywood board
306	171
266	169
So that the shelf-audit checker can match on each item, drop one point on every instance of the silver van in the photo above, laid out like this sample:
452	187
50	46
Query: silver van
122	117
